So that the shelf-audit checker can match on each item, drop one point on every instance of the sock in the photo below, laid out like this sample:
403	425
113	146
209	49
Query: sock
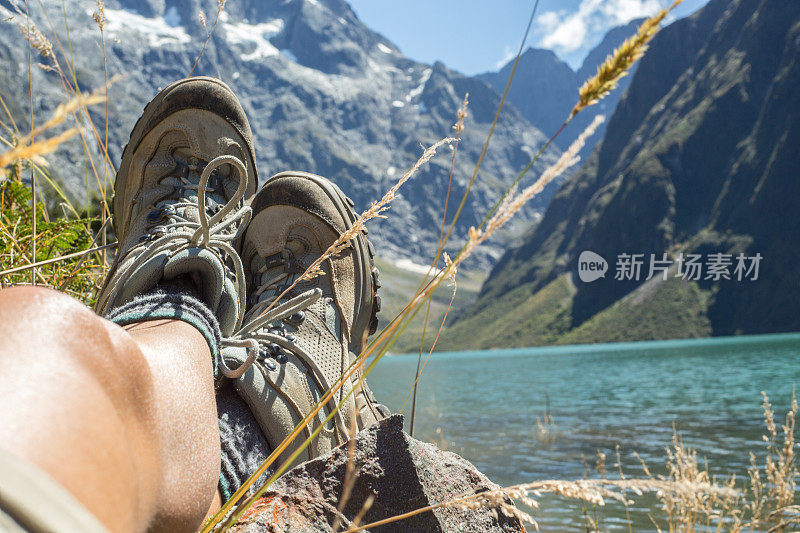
244	447
174	303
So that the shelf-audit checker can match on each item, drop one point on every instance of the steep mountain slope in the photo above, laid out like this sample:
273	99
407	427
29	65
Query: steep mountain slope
700	157
323	93
545	88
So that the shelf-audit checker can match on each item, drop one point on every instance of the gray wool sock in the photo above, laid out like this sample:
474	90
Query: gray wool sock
175	304
244	447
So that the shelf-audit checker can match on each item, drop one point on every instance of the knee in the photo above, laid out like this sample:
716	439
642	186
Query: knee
46	317
40	310
42	325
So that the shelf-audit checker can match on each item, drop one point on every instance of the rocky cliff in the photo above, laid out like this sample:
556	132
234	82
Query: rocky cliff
700	157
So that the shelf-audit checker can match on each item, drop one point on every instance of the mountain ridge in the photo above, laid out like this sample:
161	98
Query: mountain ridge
546	101
696	154
324	93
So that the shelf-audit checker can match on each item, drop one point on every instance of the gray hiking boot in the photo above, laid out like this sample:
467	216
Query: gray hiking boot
309	337
179	203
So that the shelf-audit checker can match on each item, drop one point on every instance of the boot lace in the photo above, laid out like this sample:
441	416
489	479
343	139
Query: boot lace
177	232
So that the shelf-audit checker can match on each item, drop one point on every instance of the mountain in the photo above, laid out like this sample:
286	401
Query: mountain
545	88
323	93
700	157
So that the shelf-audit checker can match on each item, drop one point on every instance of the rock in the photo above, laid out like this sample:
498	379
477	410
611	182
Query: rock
402	473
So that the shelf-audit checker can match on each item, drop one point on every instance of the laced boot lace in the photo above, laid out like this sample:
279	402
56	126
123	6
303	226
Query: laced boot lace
268	335
172	230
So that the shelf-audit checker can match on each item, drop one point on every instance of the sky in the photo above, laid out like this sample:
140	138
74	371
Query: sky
474	36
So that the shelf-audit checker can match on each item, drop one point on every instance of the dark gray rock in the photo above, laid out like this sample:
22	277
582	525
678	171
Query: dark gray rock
401	473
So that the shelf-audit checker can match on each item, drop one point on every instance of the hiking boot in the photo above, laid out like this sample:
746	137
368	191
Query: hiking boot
179	203
308	336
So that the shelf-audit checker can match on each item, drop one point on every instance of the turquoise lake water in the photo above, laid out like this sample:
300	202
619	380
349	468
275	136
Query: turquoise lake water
484	406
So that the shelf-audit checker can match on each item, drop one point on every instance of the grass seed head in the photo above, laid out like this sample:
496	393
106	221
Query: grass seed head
617	64
36	39
99	16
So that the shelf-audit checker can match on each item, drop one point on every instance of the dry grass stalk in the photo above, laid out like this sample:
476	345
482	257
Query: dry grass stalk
57	259
24	149
375	210
220	9
600	464
350	474
452	270
686	511
35	38
593	491
545	428
617	64
622	476
461	114
36	149
514	202
458	127
99	16
364	510
71	90
772	491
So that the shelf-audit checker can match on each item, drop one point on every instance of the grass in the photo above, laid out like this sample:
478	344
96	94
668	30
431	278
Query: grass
672	309
33	241
538	319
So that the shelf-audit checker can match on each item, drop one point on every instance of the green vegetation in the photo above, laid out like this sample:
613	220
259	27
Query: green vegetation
54	237
518	319
398	284
672	309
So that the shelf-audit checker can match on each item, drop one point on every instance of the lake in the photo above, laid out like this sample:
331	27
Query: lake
484	406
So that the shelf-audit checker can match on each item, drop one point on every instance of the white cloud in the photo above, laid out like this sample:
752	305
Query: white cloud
508	54
569	31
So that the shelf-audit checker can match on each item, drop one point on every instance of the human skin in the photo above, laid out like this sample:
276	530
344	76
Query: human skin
123	418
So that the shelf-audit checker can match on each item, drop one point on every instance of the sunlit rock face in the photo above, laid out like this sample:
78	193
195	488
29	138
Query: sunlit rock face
323	93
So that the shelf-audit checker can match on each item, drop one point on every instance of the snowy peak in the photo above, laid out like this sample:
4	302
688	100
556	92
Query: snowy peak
323	93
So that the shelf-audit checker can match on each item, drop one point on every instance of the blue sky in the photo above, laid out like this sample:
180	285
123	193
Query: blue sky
475	36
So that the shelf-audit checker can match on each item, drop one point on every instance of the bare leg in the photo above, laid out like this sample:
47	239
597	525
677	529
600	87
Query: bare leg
124	419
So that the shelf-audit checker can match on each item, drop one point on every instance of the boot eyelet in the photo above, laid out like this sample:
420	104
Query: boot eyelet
282	357
291	338
154	216
297	317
